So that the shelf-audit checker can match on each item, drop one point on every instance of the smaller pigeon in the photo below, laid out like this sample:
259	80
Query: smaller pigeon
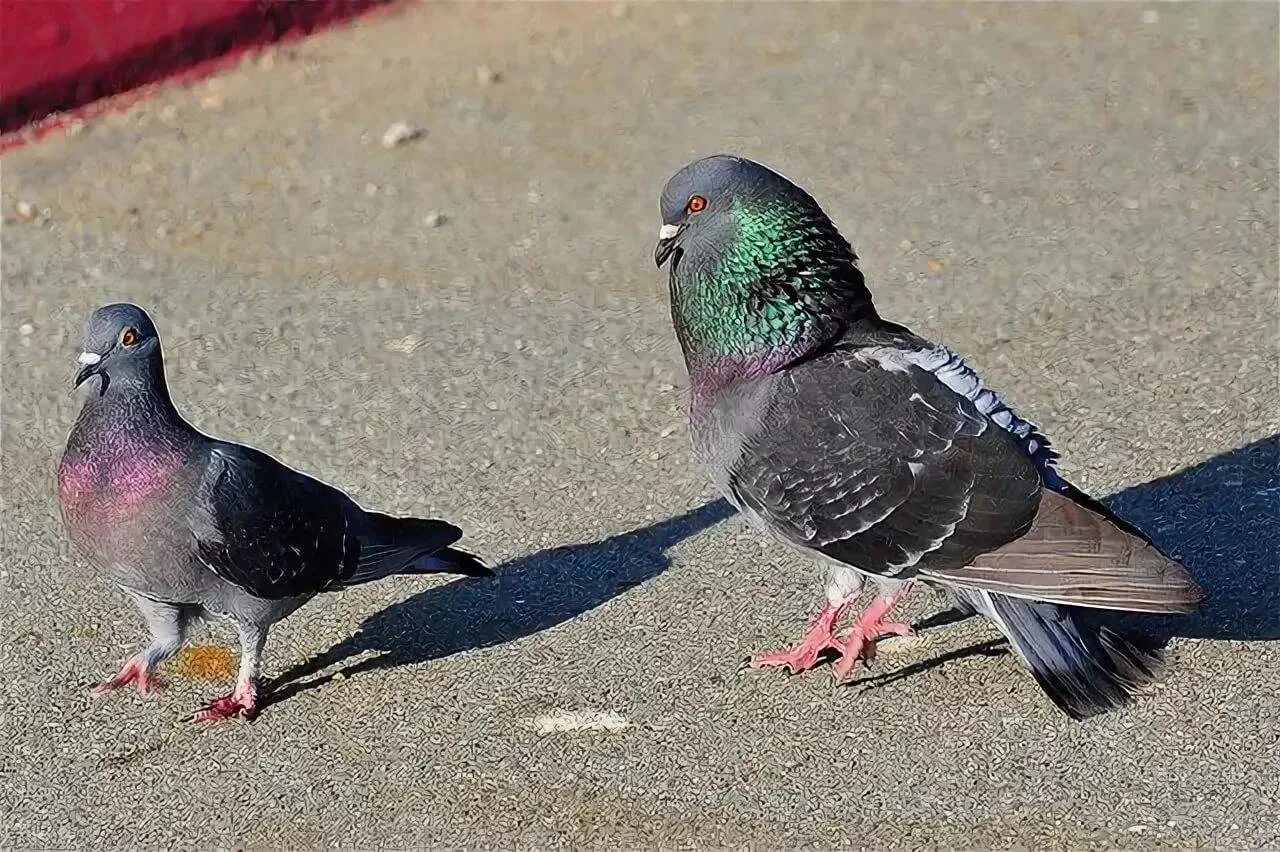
192	527
884	455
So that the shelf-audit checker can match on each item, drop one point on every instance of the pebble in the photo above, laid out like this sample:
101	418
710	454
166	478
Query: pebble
371	189
434	219
1130	204
399	133
1150	16
405	344
669	431
486	76
25	210
26	329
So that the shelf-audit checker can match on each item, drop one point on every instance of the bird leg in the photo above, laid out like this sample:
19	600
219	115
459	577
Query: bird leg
168	626
869	625
243	700
804	655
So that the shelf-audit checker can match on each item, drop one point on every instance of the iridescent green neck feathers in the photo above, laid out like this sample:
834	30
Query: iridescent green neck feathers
778	281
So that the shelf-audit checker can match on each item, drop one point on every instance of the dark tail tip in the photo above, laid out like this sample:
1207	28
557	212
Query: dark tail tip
1084	667
460	562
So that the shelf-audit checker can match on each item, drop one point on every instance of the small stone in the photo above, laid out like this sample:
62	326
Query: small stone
654	456
486	76
534	196
434	219
518	344
666	387
162	231
169	113
1150	16
25	210
26	329
400	133
371	189
1130	204
986	197
405	345
935	266
212	101
668	432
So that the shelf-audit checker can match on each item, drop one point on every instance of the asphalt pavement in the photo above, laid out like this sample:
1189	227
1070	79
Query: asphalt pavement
467	324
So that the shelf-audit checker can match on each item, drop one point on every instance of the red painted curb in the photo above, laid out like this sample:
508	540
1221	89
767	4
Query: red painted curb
60	55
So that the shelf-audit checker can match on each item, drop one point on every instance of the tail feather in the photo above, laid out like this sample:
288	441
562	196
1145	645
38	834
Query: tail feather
390	545
454	561
1085	668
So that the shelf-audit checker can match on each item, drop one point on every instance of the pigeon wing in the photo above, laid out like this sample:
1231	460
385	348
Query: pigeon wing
883	467
269	529
877	463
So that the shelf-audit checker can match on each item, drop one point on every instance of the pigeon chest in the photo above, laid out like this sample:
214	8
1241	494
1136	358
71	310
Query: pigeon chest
114	484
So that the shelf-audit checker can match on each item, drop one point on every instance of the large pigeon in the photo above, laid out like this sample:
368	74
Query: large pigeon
884	455
190	526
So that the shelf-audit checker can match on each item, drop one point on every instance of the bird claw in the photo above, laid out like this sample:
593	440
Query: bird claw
860	645
132	672
243	703
797	658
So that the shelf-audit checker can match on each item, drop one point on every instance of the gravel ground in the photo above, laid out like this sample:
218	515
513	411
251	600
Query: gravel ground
467	322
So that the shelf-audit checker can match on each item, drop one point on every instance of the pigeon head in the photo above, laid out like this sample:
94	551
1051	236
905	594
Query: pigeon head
120	346
758	272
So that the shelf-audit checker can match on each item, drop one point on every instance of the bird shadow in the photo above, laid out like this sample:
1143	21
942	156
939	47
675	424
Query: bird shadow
1221	519
527	595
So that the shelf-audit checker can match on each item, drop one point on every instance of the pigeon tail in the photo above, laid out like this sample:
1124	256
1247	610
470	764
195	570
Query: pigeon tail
1084	667
390	546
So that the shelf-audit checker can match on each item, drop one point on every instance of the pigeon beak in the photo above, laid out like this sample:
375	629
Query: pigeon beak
90	363
667	235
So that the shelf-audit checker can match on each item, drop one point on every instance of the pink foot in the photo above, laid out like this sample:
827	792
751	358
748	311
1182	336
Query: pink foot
243	703
804	655
871	624
135	672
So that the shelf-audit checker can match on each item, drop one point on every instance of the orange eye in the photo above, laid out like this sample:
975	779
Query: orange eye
128	337
696	204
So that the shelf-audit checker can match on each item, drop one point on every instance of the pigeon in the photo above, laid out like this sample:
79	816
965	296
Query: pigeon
192	527
884	455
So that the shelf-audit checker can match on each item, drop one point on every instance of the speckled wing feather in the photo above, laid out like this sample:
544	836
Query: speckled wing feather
269	529
878	464
885	469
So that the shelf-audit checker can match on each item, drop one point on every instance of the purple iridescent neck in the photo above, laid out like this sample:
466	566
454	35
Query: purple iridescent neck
709	373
